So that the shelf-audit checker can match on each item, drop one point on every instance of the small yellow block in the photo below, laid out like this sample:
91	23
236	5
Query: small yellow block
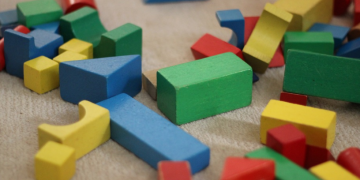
150	83
69	56
331	171
92	130
317	124
55	161
78	46
266	37
41	74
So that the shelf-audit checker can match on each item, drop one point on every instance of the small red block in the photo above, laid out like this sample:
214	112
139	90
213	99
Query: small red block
174	170
237	168
278	59
356	12
293	98
350	160
73	5
341	6
209	45
316	155
288	141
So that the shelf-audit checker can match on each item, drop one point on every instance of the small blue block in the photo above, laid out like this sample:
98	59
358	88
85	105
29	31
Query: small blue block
350	49
20	48
98	79
339	32
52	27
8	17
234	20
151	137
255	78
5	27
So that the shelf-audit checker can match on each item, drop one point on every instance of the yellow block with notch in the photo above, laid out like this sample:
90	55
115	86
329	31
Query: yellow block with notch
266	37
41	74
55	161
332	171
78	46
317	124
92	130
69	56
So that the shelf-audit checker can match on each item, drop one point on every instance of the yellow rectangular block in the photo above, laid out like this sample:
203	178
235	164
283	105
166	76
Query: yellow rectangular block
69	56
78	46
266	37
307	12
317	124
332	171
150	83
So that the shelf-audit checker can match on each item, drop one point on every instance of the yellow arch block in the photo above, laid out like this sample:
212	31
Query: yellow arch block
92	130
69	56
332	171
78	46
317	124
266	37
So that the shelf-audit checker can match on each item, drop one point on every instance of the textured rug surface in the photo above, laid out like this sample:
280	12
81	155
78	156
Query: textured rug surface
169	30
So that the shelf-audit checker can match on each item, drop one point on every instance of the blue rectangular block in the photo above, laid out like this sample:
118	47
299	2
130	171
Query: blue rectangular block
8	17
351	49
151	137
339	32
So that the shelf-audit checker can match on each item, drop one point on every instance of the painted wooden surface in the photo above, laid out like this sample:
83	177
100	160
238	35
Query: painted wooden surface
332	171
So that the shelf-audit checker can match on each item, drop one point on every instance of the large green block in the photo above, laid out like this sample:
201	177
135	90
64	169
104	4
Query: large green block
285	169
322	75
319	42
203	88
32	13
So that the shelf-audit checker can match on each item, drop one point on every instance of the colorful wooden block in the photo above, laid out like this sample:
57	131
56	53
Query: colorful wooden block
294	98
307	12
73	5
289	142
237	168
285	169
234	20
20	48
356	12
99	79
255	78
55	161
53	27
41	74
350	160
341	7
322	75
332	171
250	23
69	56
319	42
316	155
278	59
92	130
5	27
151	137
78	46
149	83
204	88
32	13
271	26
8	17
339	32
174	170
351	49
317	124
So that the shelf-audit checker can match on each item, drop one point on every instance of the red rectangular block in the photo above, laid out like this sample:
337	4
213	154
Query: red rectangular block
356	12
316	156
293	98
350	160
174	170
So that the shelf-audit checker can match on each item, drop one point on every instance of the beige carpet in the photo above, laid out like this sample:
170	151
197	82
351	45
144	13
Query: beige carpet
169	31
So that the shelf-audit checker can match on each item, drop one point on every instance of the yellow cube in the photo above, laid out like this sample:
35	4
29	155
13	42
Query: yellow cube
41	74
78	46
332	171
69	56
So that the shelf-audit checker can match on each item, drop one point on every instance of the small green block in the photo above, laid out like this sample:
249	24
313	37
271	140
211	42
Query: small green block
319	42
322	75
32	13
203	88
285	169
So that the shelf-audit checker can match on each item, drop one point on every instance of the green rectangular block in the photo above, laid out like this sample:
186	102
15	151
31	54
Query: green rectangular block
319	42
285	169
203	88
322	75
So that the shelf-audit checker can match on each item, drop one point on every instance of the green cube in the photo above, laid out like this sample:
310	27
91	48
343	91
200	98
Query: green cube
203	88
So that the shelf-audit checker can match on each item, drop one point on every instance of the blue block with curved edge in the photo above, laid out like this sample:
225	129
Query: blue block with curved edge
151	137
339	32
350	49
52	27
98	79
234	20
19	48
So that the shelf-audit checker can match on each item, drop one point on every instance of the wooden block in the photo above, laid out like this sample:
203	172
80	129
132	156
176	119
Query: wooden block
339	32
271	26
250	23
341	7
332	171
237	168
191	91
294	98
285	169
5	27
69	56
318	125
53	27
278	59
319	42
32	13
351	49
20	48
78	46
322	75
55	161
41	74
255	78
8	17
92	130
99	79
234	20
174	170
316	155
356	12
350	160
307	12
149	83
73	5
155	140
